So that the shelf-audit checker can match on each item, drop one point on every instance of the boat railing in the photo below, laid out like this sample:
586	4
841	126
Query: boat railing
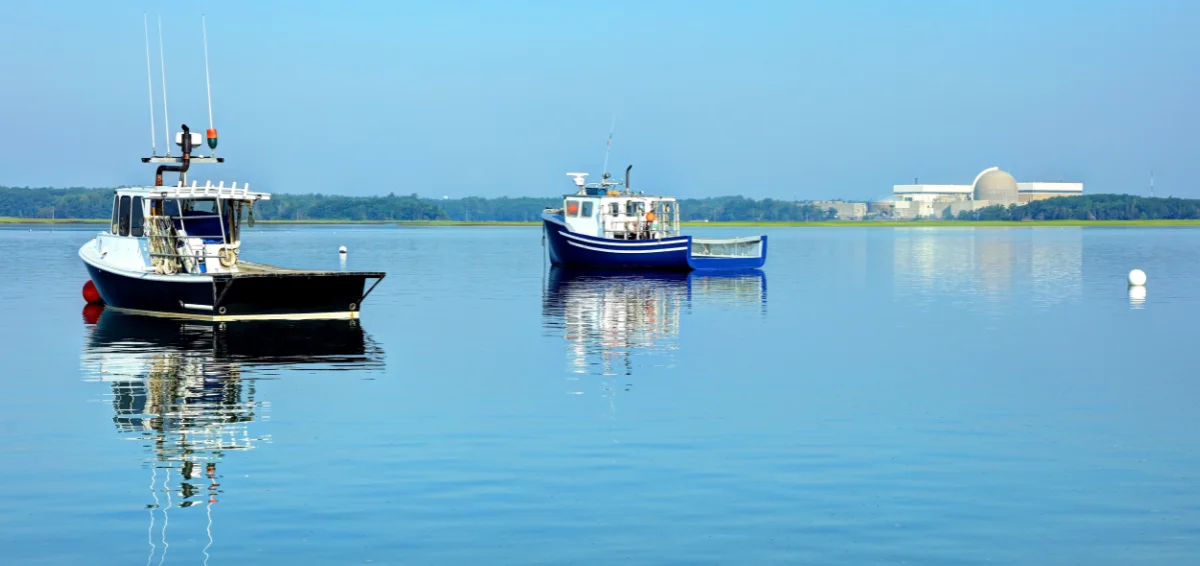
170	250
611	225
209	190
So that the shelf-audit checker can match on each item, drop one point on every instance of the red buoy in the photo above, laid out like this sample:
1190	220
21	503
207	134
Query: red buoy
90	294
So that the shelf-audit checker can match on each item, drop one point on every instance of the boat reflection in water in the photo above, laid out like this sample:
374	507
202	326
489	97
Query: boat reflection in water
608	316
187	391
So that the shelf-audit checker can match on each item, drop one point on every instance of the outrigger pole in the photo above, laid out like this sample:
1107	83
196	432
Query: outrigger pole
150	85
212	131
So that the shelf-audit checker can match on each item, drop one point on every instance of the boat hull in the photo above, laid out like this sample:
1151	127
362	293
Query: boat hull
675	254
223	297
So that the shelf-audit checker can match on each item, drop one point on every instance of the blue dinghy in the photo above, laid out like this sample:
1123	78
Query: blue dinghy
607	225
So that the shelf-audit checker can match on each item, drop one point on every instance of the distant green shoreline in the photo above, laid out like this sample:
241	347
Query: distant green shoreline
733	224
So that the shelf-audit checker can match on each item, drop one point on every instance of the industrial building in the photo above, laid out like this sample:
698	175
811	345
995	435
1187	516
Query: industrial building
845	210
990	187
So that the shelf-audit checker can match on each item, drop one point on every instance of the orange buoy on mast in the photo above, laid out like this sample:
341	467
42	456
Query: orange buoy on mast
212	132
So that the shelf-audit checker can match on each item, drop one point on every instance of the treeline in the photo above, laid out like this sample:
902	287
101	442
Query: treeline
715	209
84	203
1092	207
329	207
78	202
75	202
81	202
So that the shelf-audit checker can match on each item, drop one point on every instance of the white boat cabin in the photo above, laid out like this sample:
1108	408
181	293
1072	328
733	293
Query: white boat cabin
610	210
177	230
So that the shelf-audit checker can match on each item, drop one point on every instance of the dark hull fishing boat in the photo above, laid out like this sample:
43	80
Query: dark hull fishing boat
176	251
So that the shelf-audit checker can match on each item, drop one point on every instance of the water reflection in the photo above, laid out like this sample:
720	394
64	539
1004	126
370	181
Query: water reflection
988	265
608	317
188	392
1137	296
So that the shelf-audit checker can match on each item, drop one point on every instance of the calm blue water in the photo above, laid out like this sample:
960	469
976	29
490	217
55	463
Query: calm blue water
876	396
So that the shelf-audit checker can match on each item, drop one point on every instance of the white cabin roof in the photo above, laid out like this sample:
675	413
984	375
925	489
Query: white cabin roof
208	191
619	197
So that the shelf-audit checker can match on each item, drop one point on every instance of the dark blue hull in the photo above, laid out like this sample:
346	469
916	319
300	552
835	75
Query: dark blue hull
672	254
230	297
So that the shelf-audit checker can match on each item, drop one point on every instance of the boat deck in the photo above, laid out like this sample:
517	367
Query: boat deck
249	268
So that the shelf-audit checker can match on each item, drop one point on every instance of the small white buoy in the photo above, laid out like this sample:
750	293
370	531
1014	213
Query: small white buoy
342	250
1137	278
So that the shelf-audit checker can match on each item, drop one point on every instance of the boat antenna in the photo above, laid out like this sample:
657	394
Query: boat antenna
212	132
163	62
1151	184
609	149
150	85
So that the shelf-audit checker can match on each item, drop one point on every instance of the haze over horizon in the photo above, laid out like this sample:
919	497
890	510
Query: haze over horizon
764	99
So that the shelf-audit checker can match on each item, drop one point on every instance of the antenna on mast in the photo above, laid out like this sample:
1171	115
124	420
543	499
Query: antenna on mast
604	177
150	85
212	132
166	117
1151	184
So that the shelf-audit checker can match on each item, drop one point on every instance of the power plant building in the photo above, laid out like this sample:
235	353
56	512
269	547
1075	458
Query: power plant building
990	187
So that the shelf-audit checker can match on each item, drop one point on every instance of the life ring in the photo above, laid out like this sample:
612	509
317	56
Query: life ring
228	256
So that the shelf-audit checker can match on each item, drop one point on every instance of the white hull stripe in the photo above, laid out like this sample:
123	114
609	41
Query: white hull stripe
626	243
586	247
347	315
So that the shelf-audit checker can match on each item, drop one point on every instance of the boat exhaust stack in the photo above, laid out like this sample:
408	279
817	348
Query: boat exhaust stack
185	143
627	177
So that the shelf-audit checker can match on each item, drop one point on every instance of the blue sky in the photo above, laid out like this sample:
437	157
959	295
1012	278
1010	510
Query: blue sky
765	99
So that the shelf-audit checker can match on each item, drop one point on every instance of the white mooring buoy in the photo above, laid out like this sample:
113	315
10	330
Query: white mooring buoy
1137	278
342	250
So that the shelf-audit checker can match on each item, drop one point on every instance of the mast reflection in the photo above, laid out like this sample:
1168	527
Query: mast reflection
187	391
608	316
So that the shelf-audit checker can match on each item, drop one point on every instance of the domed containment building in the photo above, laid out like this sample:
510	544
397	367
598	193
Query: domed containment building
995	187
991	186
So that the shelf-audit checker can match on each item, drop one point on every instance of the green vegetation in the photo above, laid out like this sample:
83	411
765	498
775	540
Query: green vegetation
715	209
78	204
952	223
1092	207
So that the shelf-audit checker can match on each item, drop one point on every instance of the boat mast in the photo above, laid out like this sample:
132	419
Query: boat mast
608	150
212	131
163	62
150	86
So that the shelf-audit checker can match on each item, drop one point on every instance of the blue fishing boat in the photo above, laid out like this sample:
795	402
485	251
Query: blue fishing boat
606	224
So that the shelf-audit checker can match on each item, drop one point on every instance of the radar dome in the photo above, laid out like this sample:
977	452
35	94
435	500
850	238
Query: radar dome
995	186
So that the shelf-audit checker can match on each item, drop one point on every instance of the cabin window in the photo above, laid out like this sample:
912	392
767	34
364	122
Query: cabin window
587	209
116	211
633	208
573	208
123	217
204	206
615	209
138	220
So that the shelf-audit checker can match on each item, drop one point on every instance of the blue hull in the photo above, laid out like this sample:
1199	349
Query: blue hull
673	254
